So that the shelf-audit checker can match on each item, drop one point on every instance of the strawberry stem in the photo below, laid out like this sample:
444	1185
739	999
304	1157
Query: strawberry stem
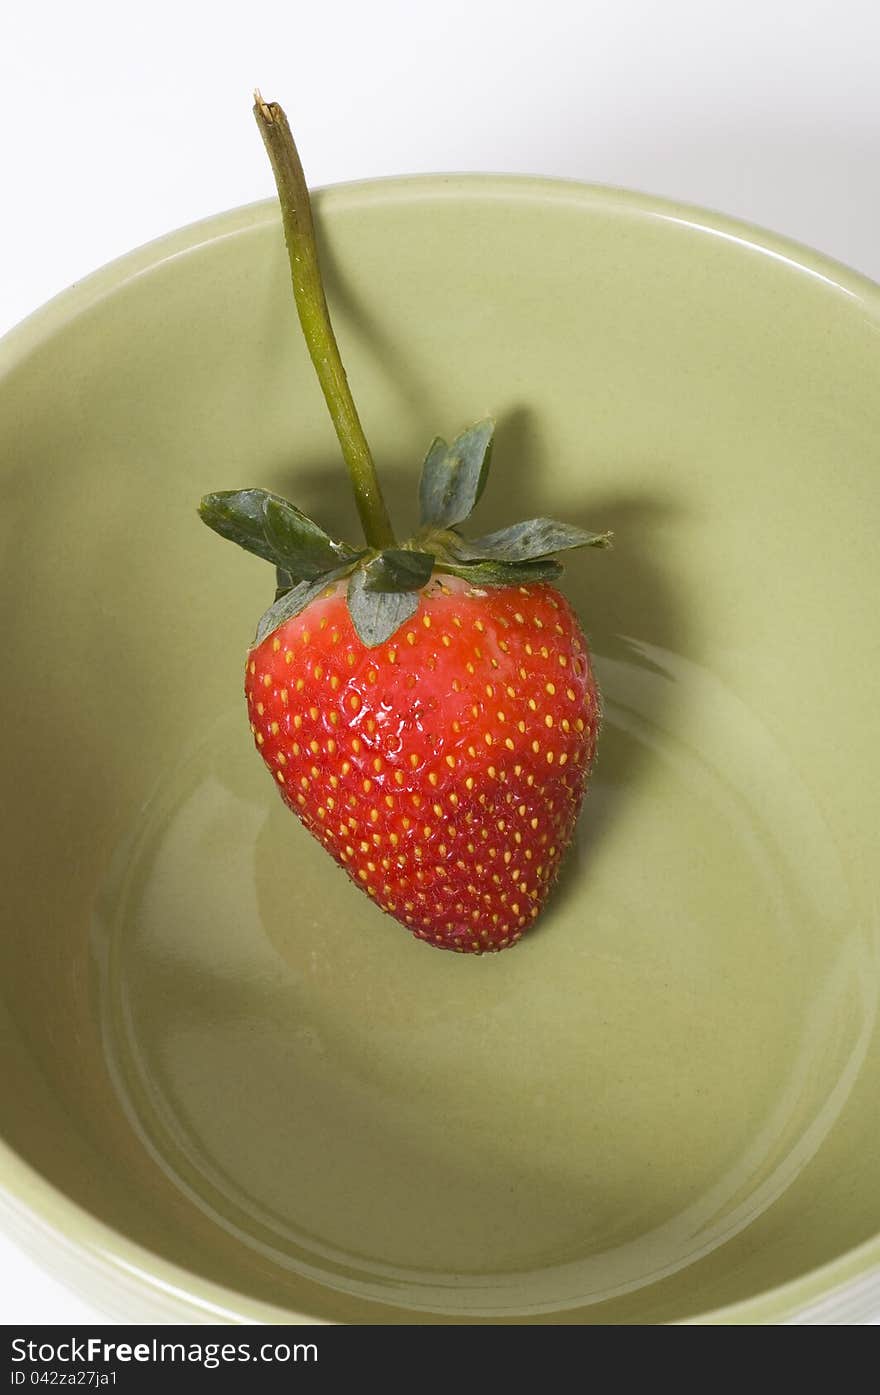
311	304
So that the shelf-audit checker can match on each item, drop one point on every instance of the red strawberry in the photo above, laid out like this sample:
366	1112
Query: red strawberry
427	709
444	769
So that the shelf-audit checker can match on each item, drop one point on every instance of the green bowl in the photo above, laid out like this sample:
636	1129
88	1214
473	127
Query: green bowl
233	1089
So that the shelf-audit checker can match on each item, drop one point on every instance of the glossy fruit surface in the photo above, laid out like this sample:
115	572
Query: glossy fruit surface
445	768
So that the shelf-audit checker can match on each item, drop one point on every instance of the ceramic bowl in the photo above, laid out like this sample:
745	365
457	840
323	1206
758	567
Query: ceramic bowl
233	1089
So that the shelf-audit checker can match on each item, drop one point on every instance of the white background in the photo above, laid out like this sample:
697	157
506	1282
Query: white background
119	122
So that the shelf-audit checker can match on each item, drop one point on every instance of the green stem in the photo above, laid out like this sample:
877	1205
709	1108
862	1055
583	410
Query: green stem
299	233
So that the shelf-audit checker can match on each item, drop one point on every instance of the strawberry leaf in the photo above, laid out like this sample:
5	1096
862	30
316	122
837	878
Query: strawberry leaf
275	530
399	569
291	602
523	542
377	614
493	573
307	550
454	477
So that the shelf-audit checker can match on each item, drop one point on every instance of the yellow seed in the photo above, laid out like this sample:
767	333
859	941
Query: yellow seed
334	681
318	671
253	667
377	763
260	738
314	713
279	777
267	680
450	761
426	621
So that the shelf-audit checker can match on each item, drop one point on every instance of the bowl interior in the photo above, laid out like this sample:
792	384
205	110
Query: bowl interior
666	1100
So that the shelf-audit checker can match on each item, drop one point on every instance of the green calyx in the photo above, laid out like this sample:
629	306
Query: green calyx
384	577
384	583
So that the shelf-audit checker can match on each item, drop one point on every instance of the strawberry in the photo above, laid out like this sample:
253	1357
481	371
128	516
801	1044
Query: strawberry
427	709
444	769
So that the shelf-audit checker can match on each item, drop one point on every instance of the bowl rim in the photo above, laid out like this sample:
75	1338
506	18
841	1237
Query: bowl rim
844	1289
